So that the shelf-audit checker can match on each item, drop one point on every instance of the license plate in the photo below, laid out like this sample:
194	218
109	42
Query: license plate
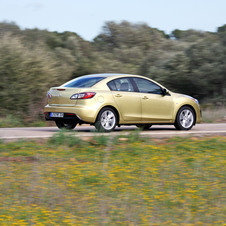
56	115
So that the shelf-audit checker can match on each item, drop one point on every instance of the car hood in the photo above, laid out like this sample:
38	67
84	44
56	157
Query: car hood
179	95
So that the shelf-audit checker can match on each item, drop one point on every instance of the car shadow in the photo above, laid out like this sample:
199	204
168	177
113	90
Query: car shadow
92	129
125	129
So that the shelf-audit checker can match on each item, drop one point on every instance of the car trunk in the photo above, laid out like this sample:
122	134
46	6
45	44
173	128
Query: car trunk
61	96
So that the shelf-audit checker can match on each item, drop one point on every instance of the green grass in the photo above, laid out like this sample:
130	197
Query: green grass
126	180
14	121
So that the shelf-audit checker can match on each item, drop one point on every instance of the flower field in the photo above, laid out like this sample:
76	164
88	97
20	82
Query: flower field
113	181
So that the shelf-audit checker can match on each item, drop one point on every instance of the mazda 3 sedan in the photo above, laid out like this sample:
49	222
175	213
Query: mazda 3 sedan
110	100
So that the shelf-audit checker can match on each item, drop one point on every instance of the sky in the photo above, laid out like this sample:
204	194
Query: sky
87	17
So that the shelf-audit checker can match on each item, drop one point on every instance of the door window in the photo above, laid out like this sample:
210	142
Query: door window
146	86
121	84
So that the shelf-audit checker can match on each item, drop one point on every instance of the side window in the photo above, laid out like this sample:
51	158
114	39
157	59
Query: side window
146	86
121	84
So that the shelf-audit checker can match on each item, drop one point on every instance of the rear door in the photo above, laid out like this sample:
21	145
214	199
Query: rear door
128	101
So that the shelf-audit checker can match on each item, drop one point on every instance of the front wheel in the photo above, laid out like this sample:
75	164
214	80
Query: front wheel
106	120
66	124
185	118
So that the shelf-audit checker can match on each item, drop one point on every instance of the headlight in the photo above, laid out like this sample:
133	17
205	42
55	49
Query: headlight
196	100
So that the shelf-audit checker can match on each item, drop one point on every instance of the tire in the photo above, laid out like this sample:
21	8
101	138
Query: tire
69	124
106	120
185	118
144	126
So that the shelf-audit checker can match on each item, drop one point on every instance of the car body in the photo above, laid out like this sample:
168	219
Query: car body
109	100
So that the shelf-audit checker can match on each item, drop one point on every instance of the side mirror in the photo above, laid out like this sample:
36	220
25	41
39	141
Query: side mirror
164	92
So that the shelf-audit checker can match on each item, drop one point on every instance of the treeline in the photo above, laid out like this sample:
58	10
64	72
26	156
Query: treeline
32	61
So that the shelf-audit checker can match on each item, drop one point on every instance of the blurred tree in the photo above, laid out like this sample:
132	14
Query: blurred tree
221	29
129	35
9	27
24	76
188	35
222	34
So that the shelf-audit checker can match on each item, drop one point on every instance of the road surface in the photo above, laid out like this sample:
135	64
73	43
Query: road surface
155	131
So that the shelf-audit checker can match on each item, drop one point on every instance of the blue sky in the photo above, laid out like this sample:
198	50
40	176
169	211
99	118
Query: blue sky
86	17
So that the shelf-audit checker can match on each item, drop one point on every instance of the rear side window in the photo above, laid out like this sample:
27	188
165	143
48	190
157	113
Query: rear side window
121	84
83	82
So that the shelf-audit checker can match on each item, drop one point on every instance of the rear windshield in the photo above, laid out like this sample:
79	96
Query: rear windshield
83	82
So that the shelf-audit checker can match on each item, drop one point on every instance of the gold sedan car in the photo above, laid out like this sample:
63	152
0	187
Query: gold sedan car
110	100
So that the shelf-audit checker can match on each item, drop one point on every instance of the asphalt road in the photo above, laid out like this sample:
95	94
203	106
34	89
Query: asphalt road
155	131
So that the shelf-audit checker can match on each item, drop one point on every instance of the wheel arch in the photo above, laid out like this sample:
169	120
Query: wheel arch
187	105
112	107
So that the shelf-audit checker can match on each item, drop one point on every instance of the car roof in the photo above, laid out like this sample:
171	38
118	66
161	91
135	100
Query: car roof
106	75
110	76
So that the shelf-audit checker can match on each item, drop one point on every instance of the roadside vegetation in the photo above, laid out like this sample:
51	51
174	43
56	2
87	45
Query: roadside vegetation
214	114
125	180
33	60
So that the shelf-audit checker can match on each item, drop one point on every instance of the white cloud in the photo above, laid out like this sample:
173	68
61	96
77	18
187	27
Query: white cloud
35	7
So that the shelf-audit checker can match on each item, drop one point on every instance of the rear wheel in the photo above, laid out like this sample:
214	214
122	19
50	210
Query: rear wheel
144	126
106	120
185	118
66	124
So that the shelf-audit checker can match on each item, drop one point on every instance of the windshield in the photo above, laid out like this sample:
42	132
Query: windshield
83	82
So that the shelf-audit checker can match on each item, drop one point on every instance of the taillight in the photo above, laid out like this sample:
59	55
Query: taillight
86	95
60	89
49	96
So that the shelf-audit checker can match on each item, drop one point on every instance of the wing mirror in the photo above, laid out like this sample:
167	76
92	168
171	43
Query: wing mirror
164	92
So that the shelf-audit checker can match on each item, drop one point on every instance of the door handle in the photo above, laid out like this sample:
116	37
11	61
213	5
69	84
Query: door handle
118	95
145	98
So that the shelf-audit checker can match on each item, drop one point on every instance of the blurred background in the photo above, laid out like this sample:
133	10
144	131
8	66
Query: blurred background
32	60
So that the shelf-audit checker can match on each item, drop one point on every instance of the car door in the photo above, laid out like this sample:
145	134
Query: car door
156	107
127	101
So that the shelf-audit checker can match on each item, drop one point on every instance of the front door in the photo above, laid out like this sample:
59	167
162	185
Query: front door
156	107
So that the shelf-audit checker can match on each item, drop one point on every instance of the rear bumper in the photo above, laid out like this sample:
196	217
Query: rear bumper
67	116
80	113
